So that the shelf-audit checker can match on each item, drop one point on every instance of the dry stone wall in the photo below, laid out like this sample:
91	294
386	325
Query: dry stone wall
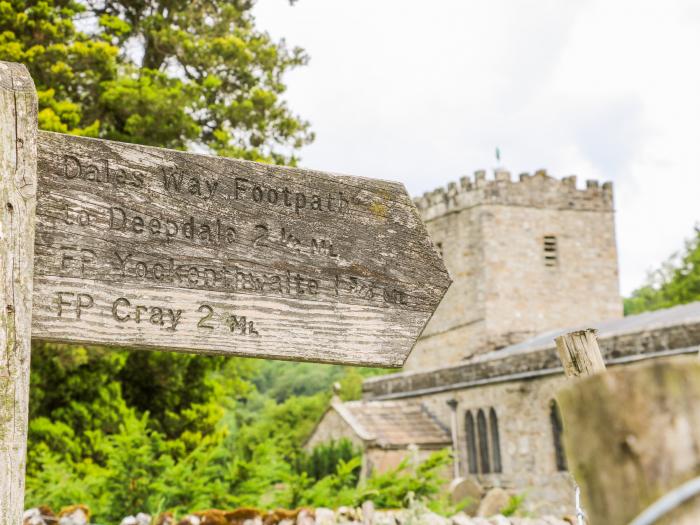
320	516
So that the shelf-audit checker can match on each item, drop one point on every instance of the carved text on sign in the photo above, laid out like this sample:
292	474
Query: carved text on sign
140	246
101	171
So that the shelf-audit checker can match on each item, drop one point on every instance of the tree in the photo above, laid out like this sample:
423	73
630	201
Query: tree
676	282
68	66
281	380
170	73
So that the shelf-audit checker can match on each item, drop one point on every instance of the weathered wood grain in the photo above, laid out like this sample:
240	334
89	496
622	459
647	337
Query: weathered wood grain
579	353
18	135
153	248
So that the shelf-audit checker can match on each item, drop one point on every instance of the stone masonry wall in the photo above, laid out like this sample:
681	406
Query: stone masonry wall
527	447
524	295
526	439
332	427
457	327
491	234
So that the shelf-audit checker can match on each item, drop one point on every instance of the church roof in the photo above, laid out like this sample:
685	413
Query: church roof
667	332
393	424
644	323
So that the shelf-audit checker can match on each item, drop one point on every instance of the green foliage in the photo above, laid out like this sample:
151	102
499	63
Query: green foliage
514	505
174	388
140	476
203	75
136	458
283	379
133	459
410	482
253	456
58	482
420	480
67	65
676	282
336	489
74	398
284	425
324	459
78	392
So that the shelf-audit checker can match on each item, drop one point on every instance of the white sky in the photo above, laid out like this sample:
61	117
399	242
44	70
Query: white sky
422	92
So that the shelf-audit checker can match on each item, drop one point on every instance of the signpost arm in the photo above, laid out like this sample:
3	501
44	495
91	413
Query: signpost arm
18	142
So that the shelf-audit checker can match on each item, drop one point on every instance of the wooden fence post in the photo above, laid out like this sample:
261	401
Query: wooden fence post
579	353
18	141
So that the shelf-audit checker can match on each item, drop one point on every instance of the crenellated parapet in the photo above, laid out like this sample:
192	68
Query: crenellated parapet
539	190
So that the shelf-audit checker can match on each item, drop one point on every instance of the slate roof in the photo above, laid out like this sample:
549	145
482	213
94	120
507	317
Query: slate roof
661	333
394	423
682	315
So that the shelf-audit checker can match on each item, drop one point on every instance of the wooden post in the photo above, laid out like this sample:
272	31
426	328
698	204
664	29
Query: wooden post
18	139
579	353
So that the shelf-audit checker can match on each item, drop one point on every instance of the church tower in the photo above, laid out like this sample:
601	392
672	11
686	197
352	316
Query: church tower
525	257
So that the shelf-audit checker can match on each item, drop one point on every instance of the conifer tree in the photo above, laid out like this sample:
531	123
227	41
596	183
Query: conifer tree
170	73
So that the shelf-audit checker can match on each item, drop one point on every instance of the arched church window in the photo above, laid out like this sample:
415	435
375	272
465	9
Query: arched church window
482	432
471	442
557	428
495	441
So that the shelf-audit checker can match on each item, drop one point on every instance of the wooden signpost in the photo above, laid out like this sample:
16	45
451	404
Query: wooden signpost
18	134
141	247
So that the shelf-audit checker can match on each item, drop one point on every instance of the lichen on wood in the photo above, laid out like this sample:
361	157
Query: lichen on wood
18	136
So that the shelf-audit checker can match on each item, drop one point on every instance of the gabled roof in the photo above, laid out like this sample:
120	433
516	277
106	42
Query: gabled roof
393	424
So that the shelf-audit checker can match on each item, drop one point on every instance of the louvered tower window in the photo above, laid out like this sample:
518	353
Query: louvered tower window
551	255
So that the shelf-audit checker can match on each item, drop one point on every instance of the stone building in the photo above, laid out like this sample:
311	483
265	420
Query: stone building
518	252
386	431
530	260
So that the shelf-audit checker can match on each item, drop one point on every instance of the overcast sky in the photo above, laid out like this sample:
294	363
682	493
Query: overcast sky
423	92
